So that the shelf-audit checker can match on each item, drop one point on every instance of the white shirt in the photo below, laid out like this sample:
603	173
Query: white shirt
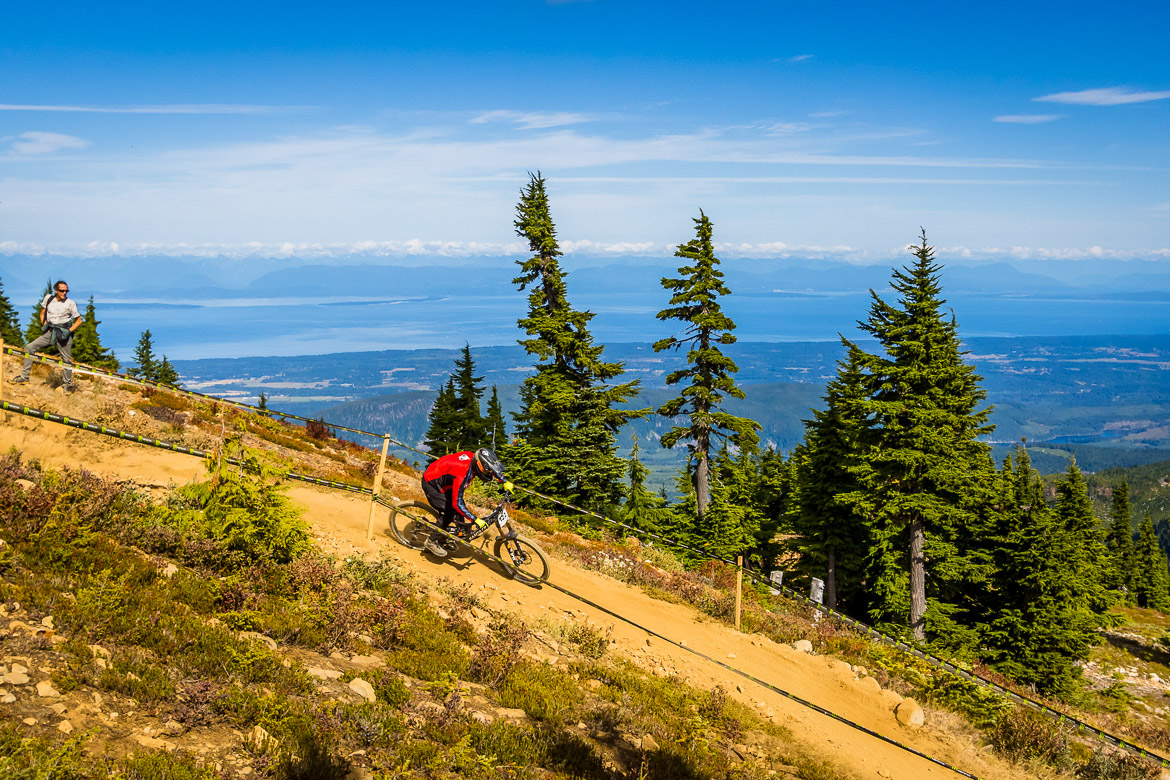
60	313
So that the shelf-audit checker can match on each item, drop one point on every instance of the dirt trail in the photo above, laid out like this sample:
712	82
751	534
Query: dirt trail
339	522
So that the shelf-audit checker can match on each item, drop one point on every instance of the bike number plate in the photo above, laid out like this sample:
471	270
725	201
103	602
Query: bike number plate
502	520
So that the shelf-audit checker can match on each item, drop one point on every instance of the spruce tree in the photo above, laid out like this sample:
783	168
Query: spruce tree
495	434
927	471
146	367
1119	542
10	322
1151	579
166	374
262	401
1038	625
87	344
829	510
440	436
695	302
643	508
469	426
568	418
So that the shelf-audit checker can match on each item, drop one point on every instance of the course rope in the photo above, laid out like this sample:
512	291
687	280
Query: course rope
857	625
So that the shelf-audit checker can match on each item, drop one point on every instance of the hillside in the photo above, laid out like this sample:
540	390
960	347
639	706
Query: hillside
590	695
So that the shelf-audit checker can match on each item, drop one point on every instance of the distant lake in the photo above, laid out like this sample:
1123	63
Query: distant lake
188	330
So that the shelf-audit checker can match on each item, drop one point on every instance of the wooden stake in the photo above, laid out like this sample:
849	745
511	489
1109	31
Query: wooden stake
2	372
377	488
738	589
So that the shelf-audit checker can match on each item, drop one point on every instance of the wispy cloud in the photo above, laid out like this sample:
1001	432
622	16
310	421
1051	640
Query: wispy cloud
35	142
192	108
1028	119
1109	96
532	120
827	114
800	58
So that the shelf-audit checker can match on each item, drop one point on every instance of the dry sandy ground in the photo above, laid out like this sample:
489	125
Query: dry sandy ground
339	521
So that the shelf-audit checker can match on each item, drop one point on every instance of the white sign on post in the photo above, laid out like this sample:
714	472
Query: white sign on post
777	578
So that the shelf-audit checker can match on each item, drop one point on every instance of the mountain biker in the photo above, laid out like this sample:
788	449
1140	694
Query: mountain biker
444	483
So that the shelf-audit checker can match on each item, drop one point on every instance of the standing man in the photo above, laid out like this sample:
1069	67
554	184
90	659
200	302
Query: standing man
59	319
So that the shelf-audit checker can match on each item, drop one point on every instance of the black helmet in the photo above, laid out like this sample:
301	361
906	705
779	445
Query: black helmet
487	465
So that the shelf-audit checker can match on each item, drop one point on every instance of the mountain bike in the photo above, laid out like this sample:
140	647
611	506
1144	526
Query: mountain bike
413	523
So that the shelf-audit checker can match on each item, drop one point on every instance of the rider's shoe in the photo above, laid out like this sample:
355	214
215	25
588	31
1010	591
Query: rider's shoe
436	547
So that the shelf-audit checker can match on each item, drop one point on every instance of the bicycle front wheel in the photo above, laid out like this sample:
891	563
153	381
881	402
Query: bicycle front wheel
523	560
412	522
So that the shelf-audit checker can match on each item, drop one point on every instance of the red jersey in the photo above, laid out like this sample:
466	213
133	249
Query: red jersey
453	473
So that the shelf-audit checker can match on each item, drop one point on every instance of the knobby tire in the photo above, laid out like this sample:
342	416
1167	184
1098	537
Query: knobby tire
411	522
532	569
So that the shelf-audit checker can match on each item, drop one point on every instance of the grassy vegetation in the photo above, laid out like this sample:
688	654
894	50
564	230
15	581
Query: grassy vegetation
95	556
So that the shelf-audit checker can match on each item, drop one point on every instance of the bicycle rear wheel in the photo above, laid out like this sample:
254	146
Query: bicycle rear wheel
523	560
412	522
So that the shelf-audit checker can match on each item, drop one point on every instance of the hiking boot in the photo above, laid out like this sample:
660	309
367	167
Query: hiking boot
436	548
18	380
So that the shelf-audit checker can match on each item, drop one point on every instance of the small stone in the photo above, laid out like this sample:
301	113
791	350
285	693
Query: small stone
870	682
258	737
363	689
99	651
18	669
482	717
802	646
47	621
25	485
253	636
45	688
29	721
173	728
593	684
100	663
861	671
649	743
731	655
323	674
170	570
910	715
16	678
58	708
65	727
512	713
8	699
132	676
368	660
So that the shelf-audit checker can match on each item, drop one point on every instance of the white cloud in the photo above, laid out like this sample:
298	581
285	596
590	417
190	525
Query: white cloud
788	128
1027	119
827	114
194	108
35	142
1109	96
801	57
533	120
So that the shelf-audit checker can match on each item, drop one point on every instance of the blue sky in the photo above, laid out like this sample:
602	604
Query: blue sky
392	128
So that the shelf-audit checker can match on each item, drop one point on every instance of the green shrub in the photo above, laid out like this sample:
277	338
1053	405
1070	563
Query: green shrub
166	766
1117	766
543	691
1023	735
499	651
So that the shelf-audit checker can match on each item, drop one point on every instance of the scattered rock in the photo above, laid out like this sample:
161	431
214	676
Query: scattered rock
173	728
99	651
323	674
649	743
170	570
47	621
368	660
482	717
65	727
254	636
910	714
45	688
16	678
363	689
259	738
593	684
802	646
512	714
731	655
25	484
58	708
29	721
891	699
18	669
8	699
870	682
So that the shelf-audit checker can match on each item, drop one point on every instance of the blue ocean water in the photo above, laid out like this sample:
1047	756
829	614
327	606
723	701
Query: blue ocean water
187	330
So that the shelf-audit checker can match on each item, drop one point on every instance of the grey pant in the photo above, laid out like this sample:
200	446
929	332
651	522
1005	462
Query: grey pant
43	341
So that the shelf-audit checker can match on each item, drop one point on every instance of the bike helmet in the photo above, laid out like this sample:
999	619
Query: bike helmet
487	465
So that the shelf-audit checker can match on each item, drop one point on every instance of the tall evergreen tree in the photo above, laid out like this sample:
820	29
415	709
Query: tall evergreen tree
1119	542
926	468
1083	555
830	509
10	322
643	508
469	425
495	433
146	366
568	418
165	372
1038	628
441	434
87	344
695	302
1151	580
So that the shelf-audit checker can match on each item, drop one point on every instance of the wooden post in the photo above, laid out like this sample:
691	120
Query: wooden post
2	372
738	589
377	488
